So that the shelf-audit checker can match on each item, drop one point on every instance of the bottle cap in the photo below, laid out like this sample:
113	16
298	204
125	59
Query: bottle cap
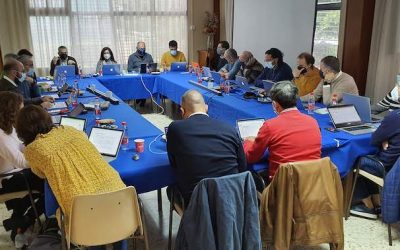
123	123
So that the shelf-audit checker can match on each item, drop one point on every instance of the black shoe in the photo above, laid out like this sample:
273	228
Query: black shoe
363	211
378	210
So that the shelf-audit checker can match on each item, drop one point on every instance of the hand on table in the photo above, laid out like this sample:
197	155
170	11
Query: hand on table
46	105
47	99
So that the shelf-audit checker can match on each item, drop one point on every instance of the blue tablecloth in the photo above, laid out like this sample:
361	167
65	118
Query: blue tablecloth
128	87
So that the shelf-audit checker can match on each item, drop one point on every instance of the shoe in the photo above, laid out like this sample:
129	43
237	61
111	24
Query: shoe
378	210
363	211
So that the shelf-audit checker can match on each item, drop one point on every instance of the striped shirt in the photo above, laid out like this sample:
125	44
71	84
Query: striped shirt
388	103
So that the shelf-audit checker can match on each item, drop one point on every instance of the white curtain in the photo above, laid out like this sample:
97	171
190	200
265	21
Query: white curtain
384	59
229	5
86	26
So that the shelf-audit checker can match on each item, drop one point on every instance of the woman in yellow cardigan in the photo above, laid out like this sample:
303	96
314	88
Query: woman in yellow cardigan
306	75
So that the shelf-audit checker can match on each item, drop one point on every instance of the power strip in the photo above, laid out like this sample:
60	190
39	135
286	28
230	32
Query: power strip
101	94
205	87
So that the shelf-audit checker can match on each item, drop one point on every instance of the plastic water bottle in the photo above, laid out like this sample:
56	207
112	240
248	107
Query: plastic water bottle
311	103
125	138
334	100
75	95
20	240
97	110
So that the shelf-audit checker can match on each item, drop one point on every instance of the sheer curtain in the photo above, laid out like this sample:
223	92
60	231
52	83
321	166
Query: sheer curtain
86	26
384	59
229	5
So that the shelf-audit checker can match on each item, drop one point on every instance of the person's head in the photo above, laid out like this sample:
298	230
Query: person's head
107	54
27	61
173	47
192	102
231	55
284	96
330	67
141	48
245	56
14	70
9	56
222	47
305	60
63	52
26	52
10	104
32	121
273	57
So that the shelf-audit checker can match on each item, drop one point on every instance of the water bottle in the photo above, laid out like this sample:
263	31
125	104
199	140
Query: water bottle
97	110
125	138
227	87
311	103
334	100
75	95
20	240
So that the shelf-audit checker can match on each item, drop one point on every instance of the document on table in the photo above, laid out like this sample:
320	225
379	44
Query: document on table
106	141
55	96
249	128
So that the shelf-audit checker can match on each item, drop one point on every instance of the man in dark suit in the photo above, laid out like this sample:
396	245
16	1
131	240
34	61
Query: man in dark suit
14	80
201	147
63	59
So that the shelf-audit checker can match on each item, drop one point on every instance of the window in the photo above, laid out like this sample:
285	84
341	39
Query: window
86	26
326	33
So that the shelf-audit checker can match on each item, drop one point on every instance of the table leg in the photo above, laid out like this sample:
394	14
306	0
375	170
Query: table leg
159	198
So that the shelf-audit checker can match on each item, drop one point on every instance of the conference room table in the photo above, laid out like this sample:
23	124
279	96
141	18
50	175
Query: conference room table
152	170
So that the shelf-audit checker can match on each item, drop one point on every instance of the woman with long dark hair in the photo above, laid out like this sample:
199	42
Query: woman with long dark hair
106	58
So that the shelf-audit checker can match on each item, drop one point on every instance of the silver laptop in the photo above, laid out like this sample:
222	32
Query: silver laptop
347	119
243	83
249	127
107	141
363	106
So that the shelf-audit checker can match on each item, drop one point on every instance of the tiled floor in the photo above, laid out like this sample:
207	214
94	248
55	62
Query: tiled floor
360	233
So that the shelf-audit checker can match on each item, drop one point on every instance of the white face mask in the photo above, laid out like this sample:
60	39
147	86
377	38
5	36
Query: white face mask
269	65
173	52
106	56
395	94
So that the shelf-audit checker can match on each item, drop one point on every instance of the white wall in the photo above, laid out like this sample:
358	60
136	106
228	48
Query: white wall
284	24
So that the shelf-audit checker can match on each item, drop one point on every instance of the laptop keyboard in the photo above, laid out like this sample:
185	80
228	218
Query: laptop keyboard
357	128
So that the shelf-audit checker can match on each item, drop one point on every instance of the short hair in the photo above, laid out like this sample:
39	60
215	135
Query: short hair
62	47
307	57
24	59
332	63
284	93
275	53
232	53
24	52
10	103
11	64
173	44
32	121
224	44
10	56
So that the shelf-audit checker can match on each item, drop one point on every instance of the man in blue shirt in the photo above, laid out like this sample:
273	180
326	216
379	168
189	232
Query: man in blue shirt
276	69
231	69
387	139
139	57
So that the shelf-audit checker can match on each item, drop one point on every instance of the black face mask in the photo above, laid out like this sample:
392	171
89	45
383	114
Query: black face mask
302	69
321	74
63	56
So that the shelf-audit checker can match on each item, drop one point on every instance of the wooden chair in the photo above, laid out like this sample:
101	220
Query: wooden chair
375	179
100	219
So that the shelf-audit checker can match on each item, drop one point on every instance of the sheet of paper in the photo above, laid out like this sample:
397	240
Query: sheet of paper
250	128
78	124
107	141
55	96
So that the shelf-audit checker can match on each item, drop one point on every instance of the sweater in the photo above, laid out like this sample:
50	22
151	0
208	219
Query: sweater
308	81
167	59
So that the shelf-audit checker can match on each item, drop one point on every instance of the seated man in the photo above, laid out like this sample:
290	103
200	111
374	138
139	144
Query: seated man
276	69
231	69
173	55
31	80
63	59
200	147
139	57
387	139
290	137
250	68
390	102
14	80
338	81
220	59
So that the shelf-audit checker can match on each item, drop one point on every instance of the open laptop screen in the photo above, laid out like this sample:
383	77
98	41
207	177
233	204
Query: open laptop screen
249	127
344	116
107	141
76	123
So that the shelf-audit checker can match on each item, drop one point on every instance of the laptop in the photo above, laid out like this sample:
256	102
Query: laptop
267	85
77	123
347	119
216	76
74	113
249	127
244	84
107	141
62	90
153	67
363	106
68	70
179	66
207	72
112	69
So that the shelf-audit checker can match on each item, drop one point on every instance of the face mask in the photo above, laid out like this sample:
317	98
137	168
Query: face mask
269	65
31	72
329	77
173	52
141	51
22	78
395	94
107	56
220	51
63	56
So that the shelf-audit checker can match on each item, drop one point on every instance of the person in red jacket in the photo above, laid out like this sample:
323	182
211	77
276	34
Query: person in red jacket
289	137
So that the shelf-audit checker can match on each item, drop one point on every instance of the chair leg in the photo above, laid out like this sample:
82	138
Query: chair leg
145	239
352	190
171	210
390	234
159	198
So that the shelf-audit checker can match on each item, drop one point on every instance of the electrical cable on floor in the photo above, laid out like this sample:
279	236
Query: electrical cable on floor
151	96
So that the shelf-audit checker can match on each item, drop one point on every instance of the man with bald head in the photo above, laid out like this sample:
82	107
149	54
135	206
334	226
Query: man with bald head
201	147
250	68
139	57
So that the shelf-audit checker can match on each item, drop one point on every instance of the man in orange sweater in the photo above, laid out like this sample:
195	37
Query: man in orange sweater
290	137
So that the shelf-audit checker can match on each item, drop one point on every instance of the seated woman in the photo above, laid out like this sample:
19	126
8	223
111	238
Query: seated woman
12	160
390	102
250	68
65	157
306	75
106	58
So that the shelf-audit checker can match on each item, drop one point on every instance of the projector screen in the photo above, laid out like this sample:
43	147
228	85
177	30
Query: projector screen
288	25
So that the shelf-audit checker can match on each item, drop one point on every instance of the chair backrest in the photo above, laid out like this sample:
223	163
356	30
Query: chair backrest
100	219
